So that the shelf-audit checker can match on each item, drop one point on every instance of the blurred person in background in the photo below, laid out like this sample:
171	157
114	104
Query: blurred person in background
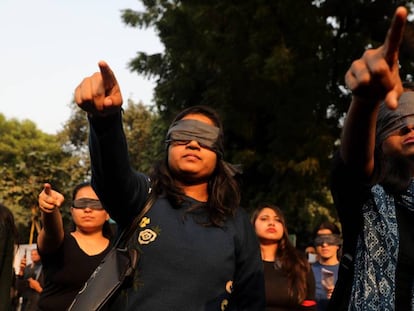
328	244
29	281
310	253
289	280
8	240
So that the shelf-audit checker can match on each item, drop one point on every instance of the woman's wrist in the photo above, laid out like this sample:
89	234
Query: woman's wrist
48	210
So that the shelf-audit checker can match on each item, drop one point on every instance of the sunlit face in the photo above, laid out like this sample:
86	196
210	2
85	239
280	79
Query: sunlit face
190	162
400	143
326	251
88	219
268	226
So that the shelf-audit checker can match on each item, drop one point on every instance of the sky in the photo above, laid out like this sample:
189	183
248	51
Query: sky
49	46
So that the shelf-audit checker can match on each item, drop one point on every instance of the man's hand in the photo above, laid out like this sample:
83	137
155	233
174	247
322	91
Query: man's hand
375	76
99	94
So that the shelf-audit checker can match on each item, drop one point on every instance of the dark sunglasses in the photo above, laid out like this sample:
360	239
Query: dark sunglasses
84	203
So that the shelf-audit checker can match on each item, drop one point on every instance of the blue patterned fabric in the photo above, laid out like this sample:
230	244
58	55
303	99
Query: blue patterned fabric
377	252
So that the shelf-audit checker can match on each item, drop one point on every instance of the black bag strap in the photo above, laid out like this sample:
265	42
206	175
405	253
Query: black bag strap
94	295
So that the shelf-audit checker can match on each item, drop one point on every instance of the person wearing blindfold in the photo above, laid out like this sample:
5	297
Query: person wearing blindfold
372	183
328	244
69	258
198	249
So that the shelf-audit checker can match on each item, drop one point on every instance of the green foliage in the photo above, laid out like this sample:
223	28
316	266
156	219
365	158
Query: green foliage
145	135
142	127
74	139
29	158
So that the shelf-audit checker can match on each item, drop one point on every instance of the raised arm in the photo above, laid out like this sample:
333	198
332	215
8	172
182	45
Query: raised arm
100	93
372	79
121	190
51	235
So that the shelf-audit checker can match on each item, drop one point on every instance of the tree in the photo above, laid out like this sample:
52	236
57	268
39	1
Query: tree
142	128
145	135
28	159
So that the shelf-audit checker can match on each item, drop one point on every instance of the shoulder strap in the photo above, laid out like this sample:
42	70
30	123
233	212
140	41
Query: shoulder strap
128	232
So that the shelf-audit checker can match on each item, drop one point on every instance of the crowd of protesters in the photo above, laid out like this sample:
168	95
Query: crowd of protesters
199	250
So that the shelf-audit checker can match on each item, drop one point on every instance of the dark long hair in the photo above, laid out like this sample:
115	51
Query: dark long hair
106	228
7	221
391	172
223	189
290	259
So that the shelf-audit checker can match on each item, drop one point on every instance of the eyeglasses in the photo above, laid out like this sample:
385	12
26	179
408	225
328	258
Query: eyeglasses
86	202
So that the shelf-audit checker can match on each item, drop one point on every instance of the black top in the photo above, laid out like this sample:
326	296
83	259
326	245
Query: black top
184	266
7	249
277	296
65	272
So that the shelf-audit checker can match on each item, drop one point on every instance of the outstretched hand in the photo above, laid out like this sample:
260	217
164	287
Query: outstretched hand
99	94
375	76
49	199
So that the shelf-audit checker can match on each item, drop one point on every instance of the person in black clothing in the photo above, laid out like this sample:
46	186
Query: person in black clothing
8	240
69	258
373	186
289	280
29	281
198	249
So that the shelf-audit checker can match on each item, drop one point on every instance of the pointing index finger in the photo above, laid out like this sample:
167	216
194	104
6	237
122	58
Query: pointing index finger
47	188
108	77
394	36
